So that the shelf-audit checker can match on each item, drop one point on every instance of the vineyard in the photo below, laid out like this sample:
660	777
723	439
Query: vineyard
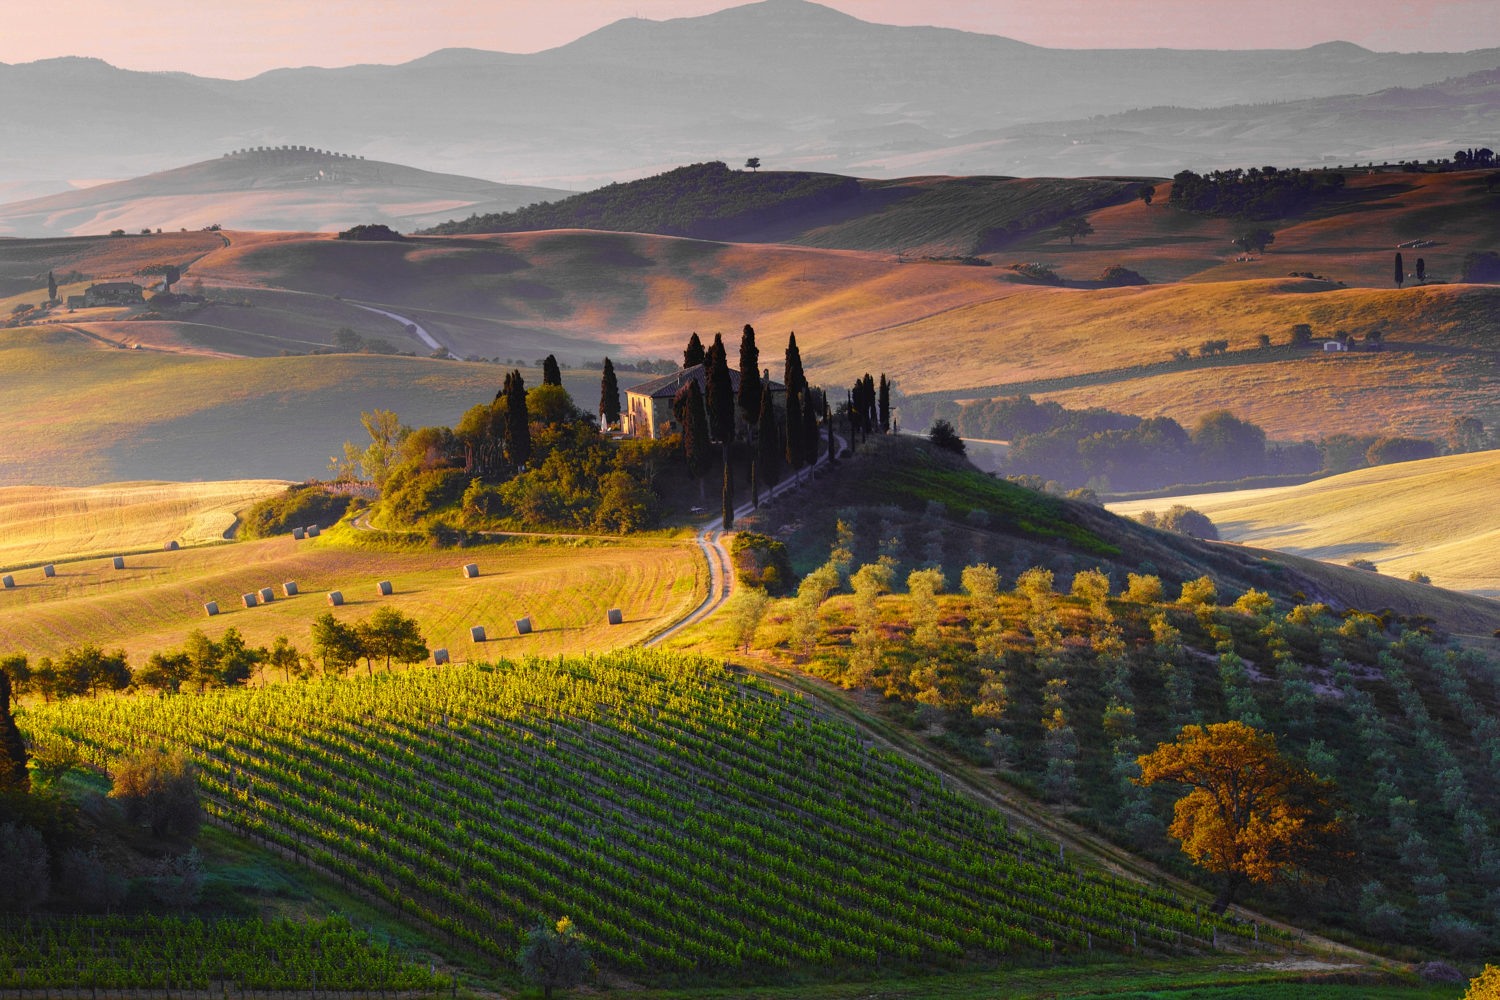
188	955
688	818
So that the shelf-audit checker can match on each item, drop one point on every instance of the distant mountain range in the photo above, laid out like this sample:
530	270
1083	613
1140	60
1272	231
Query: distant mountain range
279	189
795	83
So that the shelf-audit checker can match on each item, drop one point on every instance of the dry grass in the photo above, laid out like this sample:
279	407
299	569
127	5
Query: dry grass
50	524
566	589
1435	517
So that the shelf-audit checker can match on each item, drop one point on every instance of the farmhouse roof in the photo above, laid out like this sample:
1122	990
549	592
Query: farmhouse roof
667	386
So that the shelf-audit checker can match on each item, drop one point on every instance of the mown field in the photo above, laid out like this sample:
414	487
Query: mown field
1435	517
565	587
79	413
55	524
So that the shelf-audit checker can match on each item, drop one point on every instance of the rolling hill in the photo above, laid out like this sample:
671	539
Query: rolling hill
637	95
1431	517
297	189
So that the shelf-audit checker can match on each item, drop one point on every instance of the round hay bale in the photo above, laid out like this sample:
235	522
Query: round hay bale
384	588
471	571
49	570
523	626
249	600
476	633
289	588
171	546
616	616
336	597
312	531
299	533
7	581
119	562
211	608
267	595
439	657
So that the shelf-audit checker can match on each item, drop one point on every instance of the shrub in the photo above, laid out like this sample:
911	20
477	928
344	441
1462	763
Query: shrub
371	231
1143	589
1181	520
554	956
160	789
1387	450
943	436
1201	591
296	506
1255	602
1417	576
1363	564
1116	276
760	561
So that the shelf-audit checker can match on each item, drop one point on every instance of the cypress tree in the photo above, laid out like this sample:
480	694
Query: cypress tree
51	288
609	395
885	405
810	408
768	441
728	490
796	381
869	415
694	355
1421	269
793	426
551	373
749	375
517	421
720	394
13	774
828	420
1400	271
688	405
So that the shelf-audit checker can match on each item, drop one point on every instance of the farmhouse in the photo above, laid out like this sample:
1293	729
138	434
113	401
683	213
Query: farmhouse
648	406
112	293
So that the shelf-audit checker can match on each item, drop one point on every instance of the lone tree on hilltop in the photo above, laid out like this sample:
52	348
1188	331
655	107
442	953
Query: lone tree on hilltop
1074	227
753	163
1252	815
694	353
1400	274
1256	239
609	395
554	956
551	373
749	375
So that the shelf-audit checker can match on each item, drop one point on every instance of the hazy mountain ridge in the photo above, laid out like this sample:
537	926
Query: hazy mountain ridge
793	82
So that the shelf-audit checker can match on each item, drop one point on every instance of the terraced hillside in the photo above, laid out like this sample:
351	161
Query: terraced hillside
687	817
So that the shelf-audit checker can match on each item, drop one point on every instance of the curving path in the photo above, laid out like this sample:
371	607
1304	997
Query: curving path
421	333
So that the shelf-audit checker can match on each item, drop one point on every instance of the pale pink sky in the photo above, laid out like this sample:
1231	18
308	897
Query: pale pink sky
239	38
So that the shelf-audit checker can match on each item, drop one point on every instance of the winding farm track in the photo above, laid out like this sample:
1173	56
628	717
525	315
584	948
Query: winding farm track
416	327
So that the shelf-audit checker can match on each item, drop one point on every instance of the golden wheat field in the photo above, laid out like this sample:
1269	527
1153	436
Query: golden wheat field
1435	517
41	524
565	587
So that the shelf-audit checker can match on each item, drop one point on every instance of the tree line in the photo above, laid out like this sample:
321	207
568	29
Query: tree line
1257	193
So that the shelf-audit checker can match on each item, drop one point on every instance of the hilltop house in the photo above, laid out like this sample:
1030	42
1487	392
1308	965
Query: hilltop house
110	293
648	406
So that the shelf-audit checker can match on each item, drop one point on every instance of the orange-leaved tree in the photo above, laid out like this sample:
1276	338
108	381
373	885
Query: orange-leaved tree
1252	815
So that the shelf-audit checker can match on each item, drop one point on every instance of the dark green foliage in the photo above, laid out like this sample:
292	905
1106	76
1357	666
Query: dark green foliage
689	409
1228	447
694	354
795	456
1181	520
1255	240
368	232
1118	276
51	287
1386	450
517	421
335	643
704	201
885	405
761	561
297	506
749	396
793	376
1073	227
551	373
389	635
719	394
943	436
1302	334
1259	193
609	395
410	493
767	441
14	776
554	956
159	789
1400	275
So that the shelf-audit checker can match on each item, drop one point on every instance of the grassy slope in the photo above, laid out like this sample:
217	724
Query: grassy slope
153	603
145	414
47	524
1373	514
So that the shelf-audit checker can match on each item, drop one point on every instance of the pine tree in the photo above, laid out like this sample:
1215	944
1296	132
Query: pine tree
885	405
795	380
768	441
749	375
609	395
720	395
517	421
551	373
689	408
694	355
793	425
13	774
728	490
